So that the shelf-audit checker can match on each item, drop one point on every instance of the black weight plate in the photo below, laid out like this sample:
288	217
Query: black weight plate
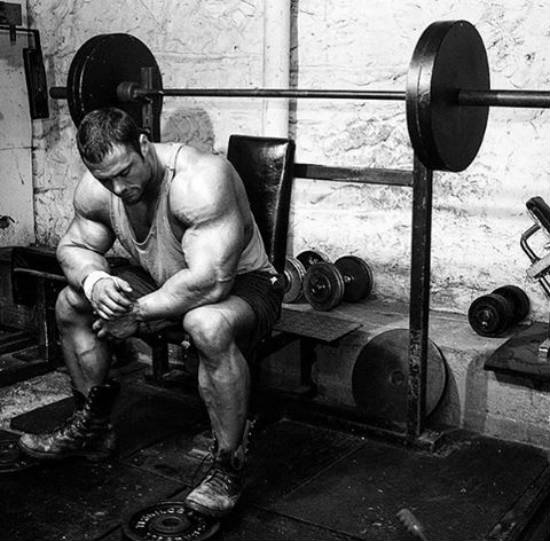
100	65
380	373
449	56
294	276
12	459
357	277
168	521
518	298
323	286
73	79
310	257
490	315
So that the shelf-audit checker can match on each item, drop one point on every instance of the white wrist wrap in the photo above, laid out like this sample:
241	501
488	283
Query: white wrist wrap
91	280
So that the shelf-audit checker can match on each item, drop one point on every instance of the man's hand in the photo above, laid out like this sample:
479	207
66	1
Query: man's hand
119	328
111	298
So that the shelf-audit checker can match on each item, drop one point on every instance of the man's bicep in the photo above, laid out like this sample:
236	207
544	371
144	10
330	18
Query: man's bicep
214	248
88	234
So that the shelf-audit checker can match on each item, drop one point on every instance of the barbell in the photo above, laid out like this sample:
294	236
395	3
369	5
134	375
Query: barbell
447	96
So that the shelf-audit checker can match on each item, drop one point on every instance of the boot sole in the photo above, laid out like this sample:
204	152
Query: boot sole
40	455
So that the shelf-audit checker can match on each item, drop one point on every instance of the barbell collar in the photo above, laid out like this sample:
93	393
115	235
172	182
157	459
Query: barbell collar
505	98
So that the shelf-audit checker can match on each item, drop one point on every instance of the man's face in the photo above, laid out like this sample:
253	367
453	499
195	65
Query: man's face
124	172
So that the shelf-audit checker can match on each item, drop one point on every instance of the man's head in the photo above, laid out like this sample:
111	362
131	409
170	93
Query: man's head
115	151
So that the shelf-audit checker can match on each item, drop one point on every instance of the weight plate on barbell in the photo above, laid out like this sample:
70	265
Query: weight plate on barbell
100	65
168	521
357	277
491	315
449	56
380	374
323	286
518	298
310	257
294	276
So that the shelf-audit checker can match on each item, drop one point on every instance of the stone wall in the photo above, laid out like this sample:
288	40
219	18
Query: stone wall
479	214
196	43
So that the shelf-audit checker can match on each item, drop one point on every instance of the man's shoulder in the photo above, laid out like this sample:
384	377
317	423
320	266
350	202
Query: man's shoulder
91	199
193	161
202	182
200	172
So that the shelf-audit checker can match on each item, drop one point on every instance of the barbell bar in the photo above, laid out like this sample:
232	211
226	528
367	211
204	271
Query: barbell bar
129	91
447	96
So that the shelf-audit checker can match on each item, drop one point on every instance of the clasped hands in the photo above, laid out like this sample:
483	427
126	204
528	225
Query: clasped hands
113	301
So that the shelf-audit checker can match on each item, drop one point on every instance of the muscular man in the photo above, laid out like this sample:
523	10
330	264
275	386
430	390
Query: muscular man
184	217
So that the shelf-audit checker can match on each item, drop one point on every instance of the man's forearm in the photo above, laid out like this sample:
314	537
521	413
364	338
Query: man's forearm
178	295
78	262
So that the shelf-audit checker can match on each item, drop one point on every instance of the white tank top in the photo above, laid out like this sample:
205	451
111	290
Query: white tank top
160	253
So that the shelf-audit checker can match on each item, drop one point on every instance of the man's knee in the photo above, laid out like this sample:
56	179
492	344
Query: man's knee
70	306
210	330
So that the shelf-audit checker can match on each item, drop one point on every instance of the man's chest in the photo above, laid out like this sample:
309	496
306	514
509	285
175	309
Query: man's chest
140	217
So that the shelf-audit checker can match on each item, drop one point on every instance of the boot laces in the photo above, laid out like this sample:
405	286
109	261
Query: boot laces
220	479
78	425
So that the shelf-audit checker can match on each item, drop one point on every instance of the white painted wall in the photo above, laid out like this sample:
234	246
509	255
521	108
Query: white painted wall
479	214
16	182
196	43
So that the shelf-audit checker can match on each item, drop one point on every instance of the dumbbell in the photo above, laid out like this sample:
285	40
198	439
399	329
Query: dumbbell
493	314
326	285
311	257
295	271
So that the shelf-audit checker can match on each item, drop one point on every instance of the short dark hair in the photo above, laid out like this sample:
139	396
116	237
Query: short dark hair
102	128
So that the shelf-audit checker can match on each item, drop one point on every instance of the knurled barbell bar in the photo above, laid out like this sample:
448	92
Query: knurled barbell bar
447	96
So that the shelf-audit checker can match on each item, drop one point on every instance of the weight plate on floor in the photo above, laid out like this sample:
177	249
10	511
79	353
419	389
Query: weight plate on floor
100	65
323	286
294	276
380	373
357	277
450	55
518	298
12	459
490	315
310	257
168	521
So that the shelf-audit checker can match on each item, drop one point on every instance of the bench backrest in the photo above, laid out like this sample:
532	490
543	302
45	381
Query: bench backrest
265	165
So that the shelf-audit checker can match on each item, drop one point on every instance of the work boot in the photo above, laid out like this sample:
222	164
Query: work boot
87	432
222	486
219	491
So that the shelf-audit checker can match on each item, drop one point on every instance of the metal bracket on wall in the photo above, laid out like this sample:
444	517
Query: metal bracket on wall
10	15
35	73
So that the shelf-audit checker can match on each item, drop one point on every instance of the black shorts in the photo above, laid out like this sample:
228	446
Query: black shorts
261	290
